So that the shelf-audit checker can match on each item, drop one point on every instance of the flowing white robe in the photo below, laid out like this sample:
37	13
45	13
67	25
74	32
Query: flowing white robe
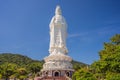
58	34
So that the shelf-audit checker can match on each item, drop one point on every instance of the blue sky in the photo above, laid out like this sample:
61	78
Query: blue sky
24	26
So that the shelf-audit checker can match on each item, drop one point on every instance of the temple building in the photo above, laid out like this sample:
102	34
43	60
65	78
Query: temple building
57	65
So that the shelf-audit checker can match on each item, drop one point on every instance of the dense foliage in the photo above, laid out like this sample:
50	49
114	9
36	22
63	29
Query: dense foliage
107	68
16	59
83	74
109	64
16	65
19	66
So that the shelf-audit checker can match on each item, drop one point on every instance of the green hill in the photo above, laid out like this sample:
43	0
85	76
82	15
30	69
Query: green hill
24	60
16	58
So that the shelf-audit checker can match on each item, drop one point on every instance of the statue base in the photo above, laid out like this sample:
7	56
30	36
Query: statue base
56	66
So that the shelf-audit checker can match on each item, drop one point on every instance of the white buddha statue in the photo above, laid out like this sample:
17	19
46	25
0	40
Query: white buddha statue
58	33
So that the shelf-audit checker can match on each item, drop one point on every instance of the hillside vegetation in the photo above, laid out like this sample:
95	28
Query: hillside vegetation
16	65
16	59
24	60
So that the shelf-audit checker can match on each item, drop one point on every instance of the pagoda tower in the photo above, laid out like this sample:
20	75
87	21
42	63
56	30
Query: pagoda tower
58	64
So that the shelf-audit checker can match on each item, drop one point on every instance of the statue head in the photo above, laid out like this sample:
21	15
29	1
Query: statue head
58	11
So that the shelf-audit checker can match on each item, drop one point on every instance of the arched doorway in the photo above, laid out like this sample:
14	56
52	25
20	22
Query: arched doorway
56	73
68	73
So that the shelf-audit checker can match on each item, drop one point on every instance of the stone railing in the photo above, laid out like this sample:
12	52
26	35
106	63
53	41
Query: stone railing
58	57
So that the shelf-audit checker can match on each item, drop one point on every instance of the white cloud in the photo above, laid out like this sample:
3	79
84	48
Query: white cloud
95	34
77	34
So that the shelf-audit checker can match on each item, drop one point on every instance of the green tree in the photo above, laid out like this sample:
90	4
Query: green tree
76	67
109	59
7	69
21	73
0	76
34	68
113	76
83	74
